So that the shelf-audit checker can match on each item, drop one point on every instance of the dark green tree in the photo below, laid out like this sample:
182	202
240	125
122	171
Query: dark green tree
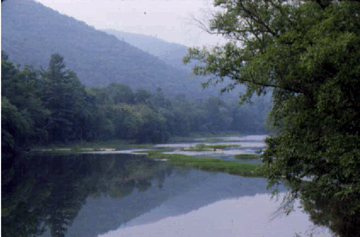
307	53
15	130
71	107
24	118
116	93
142	96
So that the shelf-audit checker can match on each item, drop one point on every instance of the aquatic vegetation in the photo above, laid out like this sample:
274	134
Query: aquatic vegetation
209	164
197	147
246	156
203	147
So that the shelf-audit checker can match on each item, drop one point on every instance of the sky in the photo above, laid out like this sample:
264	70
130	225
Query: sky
170	20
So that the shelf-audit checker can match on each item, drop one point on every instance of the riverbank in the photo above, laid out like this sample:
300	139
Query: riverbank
83	146
174	153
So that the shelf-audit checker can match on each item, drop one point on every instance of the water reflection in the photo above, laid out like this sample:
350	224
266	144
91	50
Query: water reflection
243	144
113	194
243	216
88	195
182	192
43	193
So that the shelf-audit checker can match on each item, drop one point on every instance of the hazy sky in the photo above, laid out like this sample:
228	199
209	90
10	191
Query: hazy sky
170	20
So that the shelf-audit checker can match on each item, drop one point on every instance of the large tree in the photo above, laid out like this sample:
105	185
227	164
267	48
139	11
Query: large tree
307	54
71	107
23	116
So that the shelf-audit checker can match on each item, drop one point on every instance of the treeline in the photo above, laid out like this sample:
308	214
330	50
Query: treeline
52	106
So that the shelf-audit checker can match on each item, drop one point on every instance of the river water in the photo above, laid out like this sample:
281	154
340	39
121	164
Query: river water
129	195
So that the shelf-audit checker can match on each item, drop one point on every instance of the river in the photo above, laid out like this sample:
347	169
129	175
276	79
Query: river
117	194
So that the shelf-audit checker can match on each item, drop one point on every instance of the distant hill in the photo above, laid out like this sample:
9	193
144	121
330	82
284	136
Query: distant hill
32	32
170	53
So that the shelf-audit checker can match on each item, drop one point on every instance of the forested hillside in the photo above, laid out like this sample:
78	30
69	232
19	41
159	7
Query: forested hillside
32	32
47	106
170	53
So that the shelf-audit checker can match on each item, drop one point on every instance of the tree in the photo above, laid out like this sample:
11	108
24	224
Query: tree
15	130
307	54
119	93
70	105
23	118
142	96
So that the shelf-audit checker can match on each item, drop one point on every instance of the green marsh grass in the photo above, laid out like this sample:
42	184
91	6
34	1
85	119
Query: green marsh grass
209	164
247	156
203	147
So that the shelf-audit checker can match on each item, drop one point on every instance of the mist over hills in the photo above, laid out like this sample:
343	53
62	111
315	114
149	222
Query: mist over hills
32	32
170	53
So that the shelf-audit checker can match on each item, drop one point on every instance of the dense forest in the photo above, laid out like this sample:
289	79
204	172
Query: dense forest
52	106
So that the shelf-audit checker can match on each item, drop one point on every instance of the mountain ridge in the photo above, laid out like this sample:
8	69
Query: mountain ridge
32	32
170	53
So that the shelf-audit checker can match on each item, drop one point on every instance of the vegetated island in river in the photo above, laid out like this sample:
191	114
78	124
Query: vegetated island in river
202	163
209	164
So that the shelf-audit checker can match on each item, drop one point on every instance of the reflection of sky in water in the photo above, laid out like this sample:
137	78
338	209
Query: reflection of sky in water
192	203
184	191
243	216
126	195
130	151
255	144
218	152
246	145
254	141
200	203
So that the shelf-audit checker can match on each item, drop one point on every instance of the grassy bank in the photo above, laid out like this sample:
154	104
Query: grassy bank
203	147
209	164
247	156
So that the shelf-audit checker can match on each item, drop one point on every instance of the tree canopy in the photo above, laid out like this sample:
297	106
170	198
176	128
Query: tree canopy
46	107
307	54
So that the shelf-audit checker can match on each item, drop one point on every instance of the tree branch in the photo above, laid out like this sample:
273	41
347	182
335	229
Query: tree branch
256	19
268	85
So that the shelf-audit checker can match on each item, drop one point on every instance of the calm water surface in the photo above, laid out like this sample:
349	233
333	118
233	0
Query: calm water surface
130	195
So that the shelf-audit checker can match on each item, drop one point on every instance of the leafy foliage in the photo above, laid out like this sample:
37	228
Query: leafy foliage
66	98
307	54
23	117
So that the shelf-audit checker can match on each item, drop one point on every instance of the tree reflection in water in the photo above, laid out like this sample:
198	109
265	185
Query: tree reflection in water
337	215
45	193
48	192
334	214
